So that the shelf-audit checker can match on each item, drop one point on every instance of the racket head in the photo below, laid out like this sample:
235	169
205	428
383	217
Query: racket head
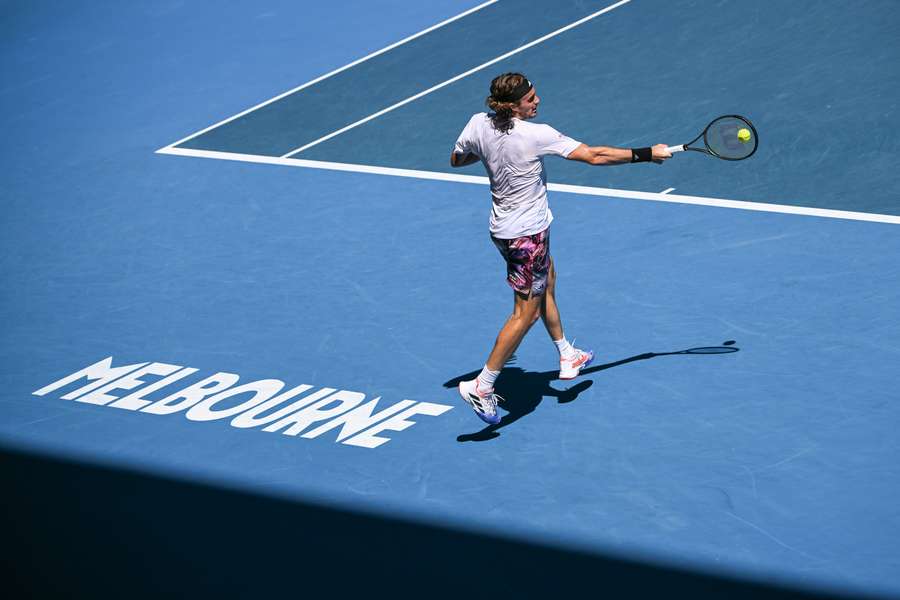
721	138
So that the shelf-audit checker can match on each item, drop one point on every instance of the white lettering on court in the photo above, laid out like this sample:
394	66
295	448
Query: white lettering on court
257	404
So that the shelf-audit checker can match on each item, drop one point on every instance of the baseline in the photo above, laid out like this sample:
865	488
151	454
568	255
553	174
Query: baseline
554	187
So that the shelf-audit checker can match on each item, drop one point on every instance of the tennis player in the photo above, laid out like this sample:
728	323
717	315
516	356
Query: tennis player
512	150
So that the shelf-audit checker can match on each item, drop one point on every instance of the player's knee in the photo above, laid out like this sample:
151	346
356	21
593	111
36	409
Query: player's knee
528	312
532	312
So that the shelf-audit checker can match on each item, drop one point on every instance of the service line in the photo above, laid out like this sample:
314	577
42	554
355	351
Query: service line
457	78
332	73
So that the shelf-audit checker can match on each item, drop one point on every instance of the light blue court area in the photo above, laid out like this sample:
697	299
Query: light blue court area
231	378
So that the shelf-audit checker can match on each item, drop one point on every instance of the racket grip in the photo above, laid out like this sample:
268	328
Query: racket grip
674	149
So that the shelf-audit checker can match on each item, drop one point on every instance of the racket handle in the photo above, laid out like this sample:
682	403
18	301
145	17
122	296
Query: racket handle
674	149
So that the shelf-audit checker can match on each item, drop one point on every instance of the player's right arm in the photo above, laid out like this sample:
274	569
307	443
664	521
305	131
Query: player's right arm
608	155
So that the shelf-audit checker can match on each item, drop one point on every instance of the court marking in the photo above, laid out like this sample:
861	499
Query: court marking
458	77
334	72
554	187
664	196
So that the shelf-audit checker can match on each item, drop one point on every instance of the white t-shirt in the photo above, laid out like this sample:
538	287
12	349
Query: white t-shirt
515	166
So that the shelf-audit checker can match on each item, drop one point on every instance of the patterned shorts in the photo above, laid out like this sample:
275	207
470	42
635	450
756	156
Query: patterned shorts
527	262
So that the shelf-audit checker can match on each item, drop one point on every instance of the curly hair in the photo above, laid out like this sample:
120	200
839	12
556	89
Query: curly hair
502	88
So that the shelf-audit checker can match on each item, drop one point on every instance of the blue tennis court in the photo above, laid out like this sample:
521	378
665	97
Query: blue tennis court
242	282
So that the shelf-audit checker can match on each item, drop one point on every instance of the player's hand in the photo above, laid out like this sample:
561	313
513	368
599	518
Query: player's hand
660	153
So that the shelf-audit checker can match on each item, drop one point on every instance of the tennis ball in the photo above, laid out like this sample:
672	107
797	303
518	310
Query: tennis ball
744	135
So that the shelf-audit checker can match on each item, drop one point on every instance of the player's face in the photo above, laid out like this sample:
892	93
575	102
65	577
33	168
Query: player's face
527	107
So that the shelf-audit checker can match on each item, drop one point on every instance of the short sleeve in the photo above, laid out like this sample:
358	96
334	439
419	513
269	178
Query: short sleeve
465	141
550	141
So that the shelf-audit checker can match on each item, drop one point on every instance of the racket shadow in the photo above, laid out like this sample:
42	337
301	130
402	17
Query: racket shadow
524	391
701	350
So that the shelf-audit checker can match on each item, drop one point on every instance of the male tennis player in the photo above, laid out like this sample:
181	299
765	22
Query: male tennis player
512	151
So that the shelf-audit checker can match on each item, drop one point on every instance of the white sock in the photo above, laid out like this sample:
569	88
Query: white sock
486	379
566	350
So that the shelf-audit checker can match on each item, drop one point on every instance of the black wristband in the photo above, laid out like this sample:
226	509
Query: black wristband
641	154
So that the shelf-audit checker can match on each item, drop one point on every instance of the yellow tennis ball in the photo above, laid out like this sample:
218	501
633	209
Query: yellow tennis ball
744	135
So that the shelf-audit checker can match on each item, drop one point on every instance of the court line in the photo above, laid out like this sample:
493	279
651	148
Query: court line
555	187
457	77
335	72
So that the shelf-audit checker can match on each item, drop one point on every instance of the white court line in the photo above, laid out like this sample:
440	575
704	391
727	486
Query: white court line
555	187
667	190
335	72
458	77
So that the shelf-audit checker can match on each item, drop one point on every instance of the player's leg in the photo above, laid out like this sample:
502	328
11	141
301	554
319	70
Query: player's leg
549	309
527	268
526	311
479	392
571	359
522	255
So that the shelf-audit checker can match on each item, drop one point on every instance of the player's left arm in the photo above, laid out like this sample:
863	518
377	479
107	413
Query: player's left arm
461	160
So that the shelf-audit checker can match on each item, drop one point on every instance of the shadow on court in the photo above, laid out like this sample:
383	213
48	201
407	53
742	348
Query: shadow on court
523	391
75	530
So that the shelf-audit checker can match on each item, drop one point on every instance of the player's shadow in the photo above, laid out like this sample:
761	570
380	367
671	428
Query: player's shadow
524	390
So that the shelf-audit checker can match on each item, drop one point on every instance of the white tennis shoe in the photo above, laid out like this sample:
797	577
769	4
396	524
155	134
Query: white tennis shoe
569	368
484	403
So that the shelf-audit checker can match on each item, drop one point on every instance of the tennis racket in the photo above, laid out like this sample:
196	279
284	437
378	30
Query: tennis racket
730	137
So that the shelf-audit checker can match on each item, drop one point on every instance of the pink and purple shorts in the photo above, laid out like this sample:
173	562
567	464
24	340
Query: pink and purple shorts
527	262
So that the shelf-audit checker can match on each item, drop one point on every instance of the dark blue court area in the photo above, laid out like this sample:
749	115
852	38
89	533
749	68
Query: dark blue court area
241	284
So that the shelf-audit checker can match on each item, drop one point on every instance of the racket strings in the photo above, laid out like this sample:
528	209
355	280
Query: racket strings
731	138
